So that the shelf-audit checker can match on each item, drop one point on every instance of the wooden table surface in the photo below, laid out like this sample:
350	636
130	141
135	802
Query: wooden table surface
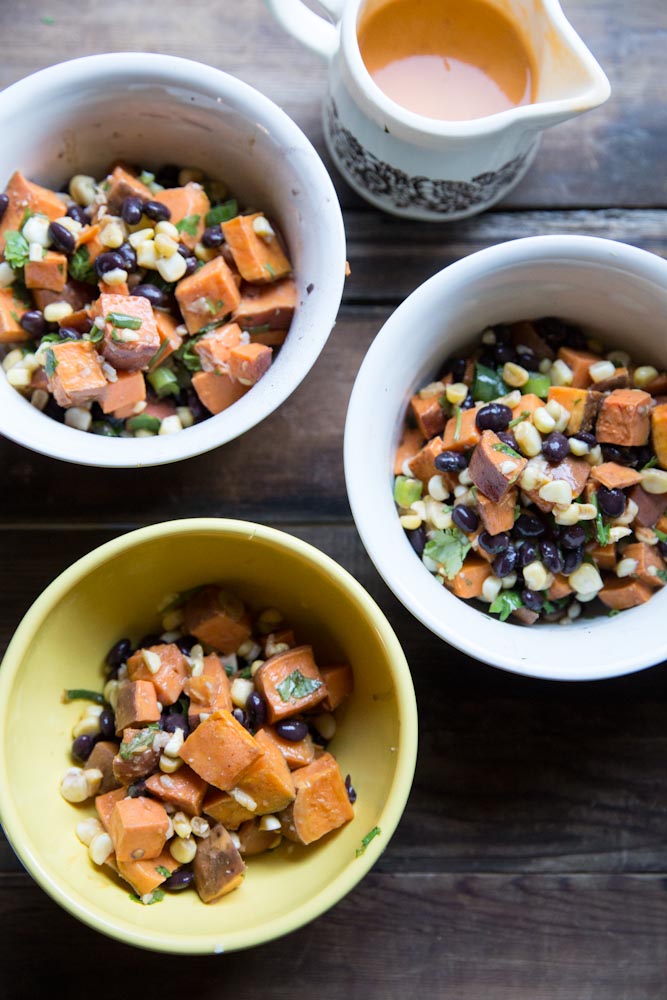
531	861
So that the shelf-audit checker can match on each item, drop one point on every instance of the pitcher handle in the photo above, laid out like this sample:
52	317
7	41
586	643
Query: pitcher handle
309	28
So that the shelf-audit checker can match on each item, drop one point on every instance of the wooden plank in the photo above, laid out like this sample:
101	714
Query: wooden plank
438	936
612	156
513	773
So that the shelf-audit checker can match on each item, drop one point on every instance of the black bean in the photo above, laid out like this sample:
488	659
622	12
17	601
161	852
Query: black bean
467	403
157	211
183	250
33	322
4	204
552	329
417	539
587	438
155	295
450	461
611	453
503	353
82	747
572	559
528	360
532	599
78	213
167	176
199	411
186	642
131	210
149	640
241	717
61	238
129	257
575	338
642	456
505	562
529	526
611	502
487	359
662	548
181	879
213	237
551	556
107	722
108	261
351	793
69	333
507	437
54	411
174	721
317	738
494	543
191	264
527	554
137	789
293	730
465	518
573	536
555	448
457	367
256	709
493	417
119	653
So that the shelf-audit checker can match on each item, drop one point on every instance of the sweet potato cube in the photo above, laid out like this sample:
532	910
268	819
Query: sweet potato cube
137	704
217	392
207	295
77	376
659	433
497	517
559	588
422	466
494	468
270	338
461	432
429	415
170	676
121	397
267	305
650	564
188	206
260	259
214	348
11	310
615	476
255	841
524	334
138	828
144	876
604	555
76	293
411	442
469	580
217	618
526	406
340	684
106	803
224	809
624	593
209	691
290	683
581	404
619	380
650	506
624	418
220	750
248	362
170	338
296	754
579	362
24	194
268	781
102	758
183	789
321	803
132	763
125	345
218	866
49	272
122	184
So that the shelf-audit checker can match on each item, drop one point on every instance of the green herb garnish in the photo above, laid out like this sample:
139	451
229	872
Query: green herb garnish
27	214
48	20
613	612
188	224
222	213
96	334
506	450
51	362
406	491
517	420
246	674
187	354
15	316
155	897
82	694
214	305
124	322
146	177
80	267
297	686
601	529
371	835
448	548
161	870
17	251
650	464
505	603
270	269
159	354
104	429
140	742
662	575
458	413
144	422
662	536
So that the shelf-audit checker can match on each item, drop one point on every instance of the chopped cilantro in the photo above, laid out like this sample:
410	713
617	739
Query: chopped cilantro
297	686
613	612
80	268
448	548
662	575
188	224
144	422
662	536
141	741
17	251
15	316
27	214
651	464
159	354
517	420
246	674
124	322
506	450
154	897
505	603
214	305
222	213
161	870
82	694
601	529
371	835
51	362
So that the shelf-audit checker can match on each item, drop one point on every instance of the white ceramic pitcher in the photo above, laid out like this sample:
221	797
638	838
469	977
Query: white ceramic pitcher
411	165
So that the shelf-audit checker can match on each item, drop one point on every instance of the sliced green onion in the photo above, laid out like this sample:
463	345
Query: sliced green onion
407	491
164	382
144	422
124	322
82	694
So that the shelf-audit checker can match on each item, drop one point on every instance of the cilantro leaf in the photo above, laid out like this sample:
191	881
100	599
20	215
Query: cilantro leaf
651	463
214	305
161	870
186	353
80	267
270	269
96	334
448	548
371	835
222	213
188	224
51	362
154	897
662	575
613	612
297	686
506	450
141	741
601	529
17	251
505	603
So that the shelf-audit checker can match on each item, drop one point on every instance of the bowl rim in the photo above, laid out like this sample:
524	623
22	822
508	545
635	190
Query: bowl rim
591	250
406	753
65	443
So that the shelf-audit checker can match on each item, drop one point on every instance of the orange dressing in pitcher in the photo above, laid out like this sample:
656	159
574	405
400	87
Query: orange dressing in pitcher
448	59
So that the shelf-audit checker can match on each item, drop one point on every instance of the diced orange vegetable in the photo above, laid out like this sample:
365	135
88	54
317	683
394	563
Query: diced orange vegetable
499	516
106	803
494	468
615	476
581	404
579	362
659	433
297	754
259	259
128	349
11	310
263	305
168	680
122	290
340	684
429	415
217	618
123	184
135	765
217	866
559	588
422	466
527	405
217	392
321	803
144	876
136	705
623	593
268	780
470	578
220	750
170	339
221	807
207	295
604	555
102	758
280	678
214	348
184	789
411	441
270	338
121	397
188	203
138	828
624	418
461	432
255	841
248	362
49	272
75	293
77	377
650	564
24	194
209	691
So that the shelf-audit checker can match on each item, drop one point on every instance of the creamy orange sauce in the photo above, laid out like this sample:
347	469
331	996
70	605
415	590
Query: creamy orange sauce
447	59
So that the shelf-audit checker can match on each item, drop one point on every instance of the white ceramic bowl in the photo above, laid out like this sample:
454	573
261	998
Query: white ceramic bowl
616	292
79	116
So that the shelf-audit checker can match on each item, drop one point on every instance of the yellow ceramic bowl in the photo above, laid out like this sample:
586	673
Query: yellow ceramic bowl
114	591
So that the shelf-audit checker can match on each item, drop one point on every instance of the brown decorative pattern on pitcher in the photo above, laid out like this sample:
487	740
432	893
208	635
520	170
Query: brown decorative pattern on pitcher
402	190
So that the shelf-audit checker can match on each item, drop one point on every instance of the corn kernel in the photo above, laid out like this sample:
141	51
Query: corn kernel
12	358
165	246
269	823
78	418
629	514
170	268
19	377
595	456
71	225
617	533
543	420
185	415
325	725
560	373
410	522
87	829
528	439
147	255
243	799
174	743
535	575
432	390
141	236
169	765
461	491
112	235
646	535
491	588
586	511
182	827
554	409
88	725
36	230
200	827
456	393
73	786
577	447
567	515
35	253
643	375
111	693
585	580
544	366
93	777
262	227
600	371
57	311
532	477
557	491
183	851
204	253
241	691
254	666
117	276
574	610
100	847
508	581
626	567
514	375
165	228
82	189
654	481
